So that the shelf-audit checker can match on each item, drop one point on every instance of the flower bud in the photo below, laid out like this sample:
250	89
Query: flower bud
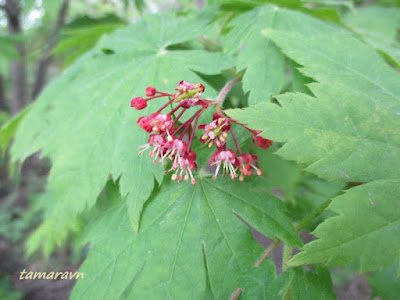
138	103
150	91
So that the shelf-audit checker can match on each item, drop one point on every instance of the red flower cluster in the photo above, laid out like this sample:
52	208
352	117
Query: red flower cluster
171	141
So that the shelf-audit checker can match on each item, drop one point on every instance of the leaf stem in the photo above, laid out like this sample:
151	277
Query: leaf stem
236	294
311	216
194	129
267	252
235	140
287	255
165	105
303	223
178	117
222	95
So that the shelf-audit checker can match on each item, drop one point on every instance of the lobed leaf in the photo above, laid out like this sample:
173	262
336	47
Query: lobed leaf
83	121
264	63
367	227
295	283
338	139
189	233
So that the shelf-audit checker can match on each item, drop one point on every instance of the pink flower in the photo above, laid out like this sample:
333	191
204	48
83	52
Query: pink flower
227	160
144	123
150	91
260	141
184	87
156	142
245	163
160	122
216	132
166	141
184	165
138	103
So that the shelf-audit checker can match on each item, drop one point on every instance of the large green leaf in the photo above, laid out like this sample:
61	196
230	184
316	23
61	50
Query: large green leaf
83	121
350	132
368	227
385	283
8	130
263	61
188	233
296	283
340	58
382	32
335	135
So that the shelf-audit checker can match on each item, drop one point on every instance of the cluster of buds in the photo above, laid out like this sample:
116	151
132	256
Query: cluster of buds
171	141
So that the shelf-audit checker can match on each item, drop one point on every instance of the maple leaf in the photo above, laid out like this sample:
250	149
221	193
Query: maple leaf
295	283
188	234
264	62
83	122
380	34
349	132
368	227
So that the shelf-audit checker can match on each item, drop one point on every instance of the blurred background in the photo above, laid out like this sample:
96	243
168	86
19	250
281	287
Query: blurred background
38	40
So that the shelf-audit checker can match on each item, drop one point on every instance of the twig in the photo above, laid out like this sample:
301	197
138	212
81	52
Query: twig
236	294
267	252
222	95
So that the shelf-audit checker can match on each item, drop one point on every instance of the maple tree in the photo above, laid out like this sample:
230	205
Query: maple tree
323	87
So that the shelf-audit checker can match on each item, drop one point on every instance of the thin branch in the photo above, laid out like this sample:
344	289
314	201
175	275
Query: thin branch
303	223
267	252
225	90
236	294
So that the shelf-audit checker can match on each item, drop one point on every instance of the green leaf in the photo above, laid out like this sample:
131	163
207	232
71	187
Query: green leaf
83	121
296	283
75	42
188	233
334	137
284	174
82	34
382	33
353	120
367	227
8	130
263	61
386	20
340	58
385	283
313	196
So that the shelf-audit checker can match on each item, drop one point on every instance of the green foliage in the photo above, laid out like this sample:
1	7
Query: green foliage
296	283
188	233
264	62
385	283
101	85
6	290
8	51
82	34
8	129
317	87
382	33
369	217
337	135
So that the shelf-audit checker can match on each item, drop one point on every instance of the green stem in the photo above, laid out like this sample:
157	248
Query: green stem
311	216
287	255
267	252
